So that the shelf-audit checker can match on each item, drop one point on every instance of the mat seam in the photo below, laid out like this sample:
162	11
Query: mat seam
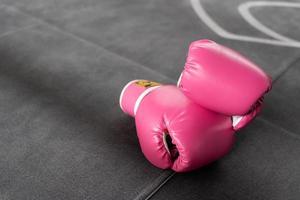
286	132
148	192
86	41
8	33
289	66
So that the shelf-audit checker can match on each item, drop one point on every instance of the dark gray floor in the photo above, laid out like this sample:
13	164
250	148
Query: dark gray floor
63	64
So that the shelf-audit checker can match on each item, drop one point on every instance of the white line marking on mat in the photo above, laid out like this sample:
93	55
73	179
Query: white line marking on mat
279	40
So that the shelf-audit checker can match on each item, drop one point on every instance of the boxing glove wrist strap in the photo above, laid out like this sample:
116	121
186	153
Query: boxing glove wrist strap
141	97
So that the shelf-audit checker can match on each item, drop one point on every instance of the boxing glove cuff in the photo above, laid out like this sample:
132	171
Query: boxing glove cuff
133	93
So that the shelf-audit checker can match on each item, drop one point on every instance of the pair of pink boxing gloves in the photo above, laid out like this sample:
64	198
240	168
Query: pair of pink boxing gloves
194	124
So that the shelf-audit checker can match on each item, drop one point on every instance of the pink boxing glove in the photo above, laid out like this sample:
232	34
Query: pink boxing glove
224	81
174	132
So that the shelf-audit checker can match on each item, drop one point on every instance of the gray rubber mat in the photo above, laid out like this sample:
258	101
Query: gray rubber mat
62	67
